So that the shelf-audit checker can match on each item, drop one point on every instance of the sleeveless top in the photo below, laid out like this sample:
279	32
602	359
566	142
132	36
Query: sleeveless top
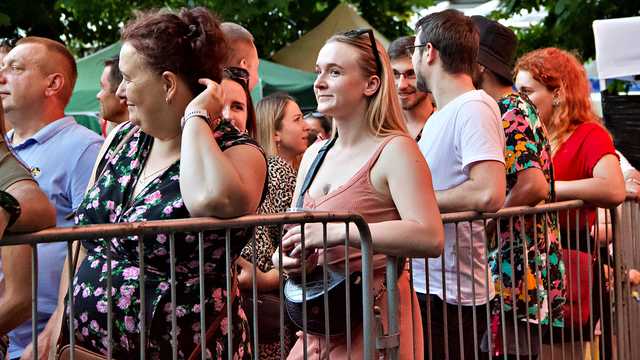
111	200
358	195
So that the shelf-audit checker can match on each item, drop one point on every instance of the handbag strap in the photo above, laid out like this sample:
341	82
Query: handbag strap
313	170
215	324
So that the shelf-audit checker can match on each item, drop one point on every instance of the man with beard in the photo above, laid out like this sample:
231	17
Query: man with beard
417	105
463	143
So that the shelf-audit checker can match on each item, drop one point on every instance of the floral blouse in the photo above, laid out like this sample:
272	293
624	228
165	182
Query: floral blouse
533	282
110	200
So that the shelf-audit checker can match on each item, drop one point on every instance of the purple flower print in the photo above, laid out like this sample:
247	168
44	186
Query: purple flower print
131	273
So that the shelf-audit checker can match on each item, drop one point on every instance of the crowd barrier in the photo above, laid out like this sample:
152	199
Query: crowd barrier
617	232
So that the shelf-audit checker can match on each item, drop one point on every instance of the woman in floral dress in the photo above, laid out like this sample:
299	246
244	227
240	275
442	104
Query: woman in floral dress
164	172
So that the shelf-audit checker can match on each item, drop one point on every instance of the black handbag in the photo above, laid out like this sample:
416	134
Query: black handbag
314	289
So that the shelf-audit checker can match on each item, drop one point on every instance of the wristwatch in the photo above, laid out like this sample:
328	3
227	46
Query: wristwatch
10	205
203	114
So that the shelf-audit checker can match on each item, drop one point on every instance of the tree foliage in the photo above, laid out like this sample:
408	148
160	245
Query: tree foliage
568	24
87	25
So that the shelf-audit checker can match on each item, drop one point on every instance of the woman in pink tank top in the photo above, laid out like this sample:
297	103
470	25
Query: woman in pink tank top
375	169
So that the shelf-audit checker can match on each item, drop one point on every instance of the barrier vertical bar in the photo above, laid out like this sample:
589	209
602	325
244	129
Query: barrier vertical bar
281	291
514	298
539	276
428	301
174	320
109	299
229	279
578	247
34	299
503	323
486	273
525	265
547	247
254	294
413	315
599	265
143	300
444	305
458	296
590	280
203	319
70	276
617	293
474	319
618	235
327	329
347	274
304	289
392	299
366	249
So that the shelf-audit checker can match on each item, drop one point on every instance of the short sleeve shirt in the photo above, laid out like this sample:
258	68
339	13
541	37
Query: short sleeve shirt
576	158
465	131
527	147
11	169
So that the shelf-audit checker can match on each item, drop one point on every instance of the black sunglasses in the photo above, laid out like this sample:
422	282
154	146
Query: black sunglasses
237	74
9	42
374	47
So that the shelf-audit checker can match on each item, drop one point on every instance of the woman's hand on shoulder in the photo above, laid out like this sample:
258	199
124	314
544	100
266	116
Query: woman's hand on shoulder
210	99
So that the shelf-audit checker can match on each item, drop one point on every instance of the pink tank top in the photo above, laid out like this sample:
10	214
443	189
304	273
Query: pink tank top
360	196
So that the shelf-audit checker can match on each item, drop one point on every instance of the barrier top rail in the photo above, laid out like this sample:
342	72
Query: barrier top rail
178	225
512	211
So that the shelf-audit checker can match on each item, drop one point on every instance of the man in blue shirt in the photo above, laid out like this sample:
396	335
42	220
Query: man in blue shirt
36	82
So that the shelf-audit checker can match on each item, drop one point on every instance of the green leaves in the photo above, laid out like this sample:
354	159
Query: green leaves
88	25
568	24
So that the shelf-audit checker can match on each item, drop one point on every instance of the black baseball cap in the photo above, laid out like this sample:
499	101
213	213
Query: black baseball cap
498	46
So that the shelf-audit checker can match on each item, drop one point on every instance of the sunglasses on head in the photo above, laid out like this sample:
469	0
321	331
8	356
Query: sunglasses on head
314	114
374	48
237	74
9	42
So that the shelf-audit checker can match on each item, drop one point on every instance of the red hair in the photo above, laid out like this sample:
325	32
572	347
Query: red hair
558	69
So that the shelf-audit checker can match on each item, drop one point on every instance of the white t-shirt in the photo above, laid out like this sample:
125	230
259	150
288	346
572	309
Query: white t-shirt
466	130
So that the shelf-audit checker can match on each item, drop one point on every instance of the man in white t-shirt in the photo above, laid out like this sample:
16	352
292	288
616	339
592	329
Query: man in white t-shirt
463	142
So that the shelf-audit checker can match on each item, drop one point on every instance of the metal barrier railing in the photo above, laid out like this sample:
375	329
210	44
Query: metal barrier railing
199	225
613	241
521	335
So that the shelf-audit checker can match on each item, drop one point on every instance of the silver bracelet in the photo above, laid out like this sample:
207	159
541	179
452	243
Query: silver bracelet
203	114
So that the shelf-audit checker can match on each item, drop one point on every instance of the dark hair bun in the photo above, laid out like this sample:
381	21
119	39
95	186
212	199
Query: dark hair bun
189	43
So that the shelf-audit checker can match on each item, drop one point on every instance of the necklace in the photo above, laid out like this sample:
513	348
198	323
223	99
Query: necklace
144	177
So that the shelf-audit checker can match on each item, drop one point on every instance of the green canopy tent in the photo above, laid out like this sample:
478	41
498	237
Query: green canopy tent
273	78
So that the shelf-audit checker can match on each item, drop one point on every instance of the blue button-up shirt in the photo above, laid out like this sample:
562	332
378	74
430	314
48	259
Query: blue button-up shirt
61	156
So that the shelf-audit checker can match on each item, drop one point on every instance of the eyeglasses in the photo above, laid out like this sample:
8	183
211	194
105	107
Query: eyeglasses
412	48
237	74
409	74
374	47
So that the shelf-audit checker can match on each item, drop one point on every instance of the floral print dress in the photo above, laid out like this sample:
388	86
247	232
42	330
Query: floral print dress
110	201
528	266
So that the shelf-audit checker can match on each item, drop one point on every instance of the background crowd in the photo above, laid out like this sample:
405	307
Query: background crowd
444	121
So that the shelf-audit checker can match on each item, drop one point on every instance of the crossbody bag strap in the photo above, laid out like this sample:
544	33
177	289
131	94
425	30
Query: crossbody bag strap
215	324
313	170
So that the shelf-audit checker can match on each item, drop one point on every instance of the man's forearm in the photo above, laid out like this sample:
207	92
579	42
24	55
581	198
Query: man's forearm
468	196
